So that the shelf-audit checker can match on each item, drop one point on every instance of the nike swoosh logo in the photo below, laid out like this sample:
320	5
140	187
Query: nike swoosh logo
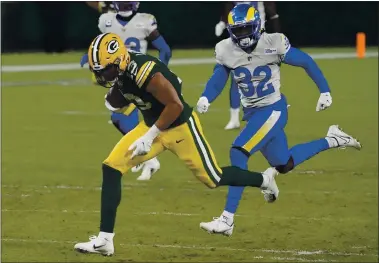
95	247
178	141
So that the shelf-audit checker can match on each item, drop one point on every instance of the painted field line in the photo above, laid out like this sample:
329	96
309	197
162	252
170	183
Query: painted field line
181	214
36	188
294	252
173	62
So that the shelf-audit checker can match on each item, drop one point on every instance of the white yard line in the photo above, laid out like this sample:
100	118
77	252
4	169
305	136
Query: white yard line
173	62
294	252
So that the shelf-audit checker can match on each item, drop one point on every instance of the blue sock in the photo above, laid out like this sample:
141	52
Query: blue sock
234	95
305	151
238	159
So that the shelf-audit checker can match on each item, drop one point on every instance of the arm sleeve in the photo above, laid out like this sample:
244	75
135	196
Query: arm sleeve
164	49
296	57
216	83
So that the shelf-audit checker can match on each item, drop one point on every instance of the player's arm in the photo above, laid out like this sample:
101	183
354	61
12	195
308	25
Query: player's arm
160	43
296	57
220	26
213	88
166	94
270	8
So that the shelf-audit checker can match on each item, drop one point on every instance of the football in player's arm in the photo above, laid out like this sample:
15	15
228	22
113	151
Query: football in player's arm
169	124
135	29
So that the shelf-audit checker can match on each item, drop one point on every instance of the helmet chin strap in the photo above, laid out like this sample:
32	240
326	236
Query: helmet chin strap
125	13
245	42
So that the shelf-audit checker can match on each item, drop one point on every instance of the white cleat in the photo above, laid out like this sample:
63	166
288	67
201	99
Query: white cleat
271	191
150	167
232	125
219	225
138	167
96	245
342	139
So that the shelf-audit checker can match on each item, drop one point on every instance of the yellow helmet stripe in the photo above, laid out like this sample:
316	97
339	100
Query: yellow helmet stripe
250	14
230	19
95	48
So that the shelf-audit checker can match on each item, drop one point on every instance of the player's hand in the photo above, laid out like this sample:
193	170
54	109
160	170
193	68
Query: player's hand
220	28
202	105
324	101
141	146
84	60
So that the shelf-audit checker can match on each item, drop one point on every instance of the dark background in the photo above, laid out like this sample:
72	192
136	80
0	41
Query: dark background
62	26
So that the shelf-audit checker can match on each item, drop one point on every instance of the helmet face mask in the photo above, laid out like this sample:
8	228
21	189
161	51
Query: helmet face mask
107	76
244	25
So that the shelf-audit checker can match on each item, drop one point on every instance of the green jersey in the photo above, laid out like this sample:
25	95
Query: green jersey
132	85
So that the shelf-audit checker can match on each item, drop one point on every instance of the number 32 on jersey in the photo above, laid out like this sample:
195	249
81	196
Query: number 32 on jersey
244	79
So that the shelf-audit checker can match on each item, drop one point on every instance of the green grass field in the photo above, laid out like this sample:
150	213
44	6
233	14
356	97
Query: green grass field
55	135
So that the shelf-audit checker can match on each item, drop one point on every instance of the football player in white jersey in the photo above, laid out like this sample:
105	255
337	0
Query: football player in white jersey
263	8
135	29
255	58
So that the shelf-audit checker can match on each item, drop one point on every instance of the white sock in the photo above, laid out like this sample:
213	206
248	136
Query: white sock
105	235
332	142
266	180
229	216
235	114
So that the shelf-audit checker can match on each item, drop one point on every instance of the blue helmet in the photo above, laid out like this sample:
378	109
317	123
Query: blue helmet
244	25
125	8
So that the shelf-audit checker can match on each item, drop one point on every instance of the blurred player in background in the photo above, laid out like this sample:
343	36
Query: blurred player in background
255	57
263	8
135	29
102	6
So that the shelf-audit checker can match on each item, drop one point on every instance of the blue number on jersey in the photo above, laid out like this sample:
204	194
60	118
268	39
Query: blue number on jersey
246	85
133	44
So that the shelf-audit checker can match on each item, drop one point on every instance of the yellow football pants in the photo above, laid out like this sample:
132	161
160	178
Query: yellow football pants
187	141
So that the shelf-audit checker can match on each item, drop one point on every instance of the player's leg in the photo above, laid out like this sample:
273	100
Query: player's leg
234	99
115	165
286	160
262	126
125	122
188	142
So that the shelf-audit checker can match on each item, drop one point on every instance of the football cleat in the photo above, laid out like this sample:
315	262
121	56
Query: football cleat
138	167
219	225
342	139
96	245
150	167
271	191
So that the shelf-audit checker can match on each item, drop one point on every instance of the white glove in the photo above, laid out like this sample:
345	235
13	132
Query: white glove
324	101
143	144
220	28
202	105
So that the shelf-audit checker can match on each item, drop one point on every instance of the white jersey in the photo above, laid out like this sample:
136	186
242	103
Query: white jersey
134	33
257	74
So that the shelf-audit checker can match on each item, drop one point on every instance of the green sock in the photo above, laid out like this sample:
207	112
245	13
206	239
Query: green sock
235	176
110	198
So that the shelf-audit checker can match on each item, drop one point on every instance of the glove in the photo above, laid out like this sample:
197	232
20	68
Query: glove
220	28
84	60
324	101
142	145
202	105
